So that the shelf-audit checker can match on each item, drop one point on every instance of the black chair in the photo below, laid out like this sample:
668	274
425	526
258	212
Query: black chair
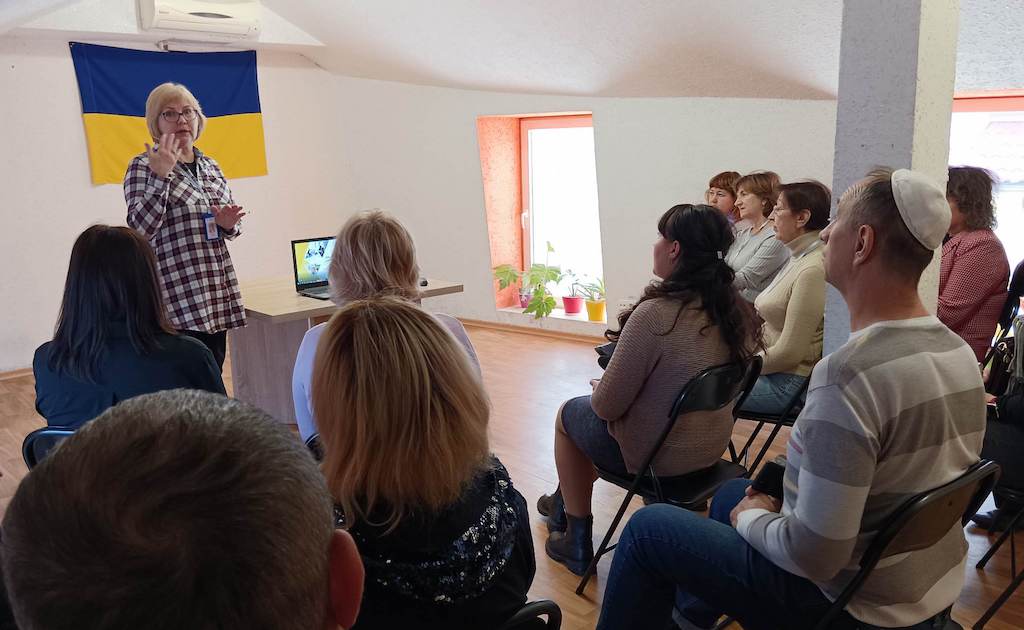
712	389
529	616
786	418
1016	498
1013	294
922	521
38	443
315	447
919	523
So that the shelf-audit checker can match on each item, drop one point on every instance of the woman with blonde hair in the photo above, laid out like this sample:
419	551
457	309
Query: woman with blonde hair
756	255
444	536
373	255
179	200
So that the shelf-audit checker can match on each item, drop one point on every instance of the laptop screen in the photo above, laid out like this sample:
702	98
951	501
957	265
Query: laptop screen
310	258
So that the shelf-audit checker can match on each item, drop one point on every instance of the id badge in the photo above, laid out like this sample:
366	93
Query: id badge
210	222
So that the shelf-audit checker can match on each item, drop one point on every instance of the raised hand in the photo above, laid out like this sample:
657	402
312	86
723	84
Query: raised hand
227	217
162	158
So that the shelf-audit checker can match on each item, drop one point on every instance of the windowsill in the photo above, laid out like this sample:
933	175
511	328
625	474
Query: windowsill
557	313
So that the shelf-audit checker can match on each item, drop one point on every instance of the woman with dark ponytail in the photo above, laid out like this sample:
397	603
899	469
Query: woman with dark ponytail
690	319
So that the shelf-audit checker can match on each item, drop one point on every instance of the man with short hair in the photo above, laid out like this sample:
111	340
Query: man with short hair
898	410
180	509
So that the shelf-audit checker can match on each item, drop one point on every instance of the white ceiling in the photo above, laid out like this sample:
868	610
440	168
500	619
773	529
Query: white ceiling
777	49
783	48
788	48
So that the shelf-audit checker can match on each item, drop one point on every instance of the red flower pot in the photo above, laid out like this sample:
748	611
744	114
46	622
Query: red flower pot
573	305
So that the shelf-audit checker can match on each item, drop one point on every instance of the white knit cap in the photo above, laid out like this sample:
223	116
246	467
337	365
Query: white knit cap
922	205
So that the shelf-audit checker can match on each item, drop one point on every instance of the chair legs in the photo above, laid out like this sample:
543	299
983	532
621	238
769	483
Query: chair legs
604	547
996	605
1017	577
1008	532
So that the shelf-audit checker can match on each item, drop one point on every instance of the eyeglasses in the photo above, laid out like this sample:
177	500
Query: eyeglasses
172	116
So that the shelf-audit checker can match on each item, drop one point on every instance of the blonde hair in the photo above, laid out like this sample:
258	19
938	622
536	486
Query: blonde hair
402	414
764	184
158	99
373	255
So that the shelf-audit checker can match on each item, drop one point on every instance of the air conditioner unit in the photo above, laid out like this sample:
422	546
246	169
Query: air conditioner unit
209	19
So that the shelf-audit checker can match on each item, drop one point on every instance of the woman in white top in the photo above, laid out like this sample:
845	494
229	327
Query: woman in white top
374	255
756	255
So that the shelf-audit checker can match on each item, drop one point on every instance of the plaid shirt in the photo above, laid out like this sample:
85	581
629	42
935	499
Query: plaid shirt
972	287
197	277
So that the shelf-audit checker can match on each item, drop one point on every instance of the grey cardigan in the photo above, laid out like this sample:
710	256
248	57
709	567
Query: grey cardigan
756	258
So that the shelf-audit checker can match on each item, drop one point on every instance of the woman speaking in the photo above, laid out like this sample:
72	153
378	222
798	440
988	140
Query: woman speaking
178	199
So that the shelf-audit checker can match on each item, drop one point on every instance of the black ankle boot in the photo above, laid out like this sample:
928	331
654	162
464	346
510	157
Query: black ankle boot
575	547
552	507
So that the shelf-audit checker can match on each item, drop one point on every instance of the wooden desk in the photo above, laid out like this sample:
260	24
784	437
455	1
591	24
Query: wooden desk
263	353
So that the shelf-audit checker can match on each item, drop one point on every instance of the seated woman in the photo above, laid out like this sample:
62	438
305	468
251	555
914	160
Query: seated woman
756	255
974	270
691	319
373	255
113	340
444	536
721	195
793	305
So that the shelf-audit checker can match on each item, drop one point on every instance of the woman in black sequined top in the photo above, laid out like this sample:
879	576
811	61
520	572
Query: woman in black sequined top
444	535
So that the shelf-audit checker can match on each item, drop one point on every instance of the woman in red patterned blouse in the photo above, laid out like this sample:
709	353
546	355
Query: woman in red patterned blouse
974	271
179	199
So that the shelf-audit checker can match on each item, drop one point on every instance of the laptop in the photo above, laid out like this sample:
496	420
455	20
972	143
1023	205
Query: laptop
311	258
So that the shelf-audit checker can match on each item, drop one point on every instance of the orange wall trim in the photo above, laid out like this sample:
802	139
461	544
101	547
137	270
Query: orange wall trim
994	101
498	137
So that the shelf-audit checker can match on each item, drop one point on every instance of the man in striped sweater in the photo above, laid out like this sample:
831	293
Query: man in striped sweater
898	410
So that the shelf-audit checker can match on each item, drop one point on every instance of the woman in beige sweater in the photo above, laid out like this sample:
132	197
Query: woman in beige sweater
793	305
691	319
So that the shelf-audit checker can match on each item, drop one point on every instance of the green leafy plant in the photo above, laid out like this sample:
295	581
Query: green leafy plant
507	275
575	288
535	281
594	291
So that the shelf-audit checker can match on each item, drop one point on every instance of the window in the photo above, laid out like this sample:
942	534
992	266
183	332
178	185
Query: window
560	195
988	131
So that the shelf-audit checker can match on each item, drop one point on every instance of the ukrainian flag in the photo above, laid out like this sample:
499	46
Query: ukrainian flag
114	84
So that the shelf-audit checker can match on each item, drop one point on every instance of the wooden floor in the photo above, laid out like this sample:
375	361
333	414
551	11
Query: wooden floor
527	378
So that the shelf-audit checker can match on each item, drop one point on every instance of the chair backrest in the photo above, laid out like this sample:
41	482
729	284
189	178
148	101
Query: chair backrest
716	387
38	443
1013	295
529	616
922	521
710	390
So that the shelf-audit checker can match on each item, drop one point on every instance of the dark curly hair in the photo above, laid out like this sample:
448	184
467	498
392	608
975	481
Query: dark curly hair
971	188
703	280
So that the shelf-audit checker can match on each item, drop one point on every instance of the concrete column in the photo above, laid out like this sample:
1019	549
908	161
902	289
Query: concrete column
897	64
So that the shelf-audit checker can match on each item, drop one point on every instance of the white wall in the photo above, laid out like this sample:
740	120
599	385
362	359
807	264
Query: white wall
413	150
46	198
336	145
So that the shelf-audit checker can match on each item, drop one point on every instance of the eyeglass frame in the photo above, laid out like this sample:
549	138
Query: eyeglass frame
188	114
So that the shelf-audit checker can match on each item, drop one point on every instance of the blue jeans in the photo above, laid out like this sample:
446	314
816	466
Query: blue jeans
771	392
668	556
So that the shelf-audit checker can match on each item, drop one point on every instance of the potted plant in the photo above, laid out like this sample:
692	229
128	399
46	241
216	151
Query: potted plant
507	275
573	303
536	280
534	296
595	294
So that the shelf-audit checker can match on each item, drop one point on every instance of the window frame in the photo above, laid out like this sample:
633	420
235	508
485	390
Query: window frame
527	124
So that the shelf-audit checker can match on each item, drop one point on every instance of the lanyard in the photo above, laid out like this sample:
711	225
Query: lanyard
195	181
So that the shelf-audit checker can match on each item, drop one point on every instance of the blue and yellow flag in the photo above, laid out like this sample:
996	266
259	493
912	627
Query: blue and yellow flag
114	84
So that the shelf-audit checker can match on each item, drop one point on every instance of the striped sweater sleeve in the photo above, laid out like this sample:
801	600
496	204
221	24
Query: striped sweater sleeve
835	460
